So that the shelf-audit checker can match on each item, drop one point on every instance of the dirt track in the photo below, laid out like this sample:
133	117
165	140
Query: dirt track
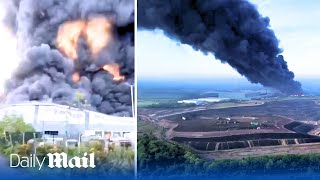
166	113
258	151
171	125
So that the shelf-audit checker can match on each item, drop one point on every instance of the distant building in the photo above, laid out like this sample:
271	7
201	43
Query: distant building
201	101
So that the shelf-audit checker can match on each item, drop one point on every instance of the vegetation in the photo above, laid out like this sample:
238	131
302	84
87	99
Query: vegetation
119	161
164	104
14	124
150	128
80	101
157	157
146	103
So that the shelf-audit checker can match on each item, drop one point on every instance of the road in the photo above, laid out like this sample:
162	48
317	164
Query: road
159	116
258	151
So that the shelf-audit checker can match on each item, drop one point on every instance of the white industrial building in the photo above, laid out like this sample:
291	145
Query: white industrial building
200	101
69	121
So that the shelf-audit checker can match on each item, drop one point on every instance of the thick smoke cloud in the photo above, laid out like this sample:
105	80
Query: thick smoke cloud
232	30
45	74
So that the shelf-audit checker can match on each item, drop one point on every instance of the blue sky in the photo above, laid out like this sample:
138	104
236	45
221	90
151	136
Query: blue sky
295	22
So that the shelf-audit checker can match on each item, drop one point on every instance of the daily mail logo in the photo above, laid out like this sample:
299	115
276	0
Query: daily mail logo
56	160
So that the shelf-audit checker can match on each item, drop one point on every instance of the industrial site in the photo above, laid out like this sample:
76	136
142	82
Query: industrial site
242	128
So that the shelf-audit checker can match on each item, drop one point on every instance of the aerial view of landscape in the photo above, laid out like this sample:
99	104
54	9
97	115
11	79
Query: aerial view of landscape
230	123
236	90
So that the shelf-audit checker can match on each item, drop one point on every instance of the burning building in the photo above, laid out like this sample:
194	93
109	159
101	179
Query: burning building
73	52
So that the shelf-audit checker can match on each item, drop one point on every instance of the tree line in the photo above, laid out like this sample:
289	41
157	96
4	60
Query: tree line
158	157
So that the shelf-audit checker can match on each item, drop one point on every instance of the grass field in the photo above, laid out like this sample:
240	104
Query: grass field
288	98
150	128
146	103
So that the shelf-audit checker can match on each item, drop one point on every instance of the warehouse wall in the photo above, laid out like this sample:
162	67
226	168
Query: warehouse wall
47	116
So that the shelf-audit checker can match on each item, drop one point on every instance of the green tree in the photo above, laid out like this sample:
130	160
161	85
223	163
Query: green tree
24	149
80	100
15	124
80	97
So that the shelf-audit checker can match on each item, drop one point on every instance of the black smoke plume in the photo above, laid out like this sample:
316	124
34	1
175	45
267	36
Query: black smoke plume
232	30
45	74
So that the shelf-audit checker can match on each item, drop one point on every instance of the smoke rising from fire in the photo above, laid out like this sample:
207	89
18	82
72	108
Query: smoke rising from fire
232	30
68	47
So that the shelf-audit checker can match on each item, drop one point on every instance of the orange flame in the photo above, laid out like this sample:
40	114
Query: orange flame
76	77
68	36
114	69
97	32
